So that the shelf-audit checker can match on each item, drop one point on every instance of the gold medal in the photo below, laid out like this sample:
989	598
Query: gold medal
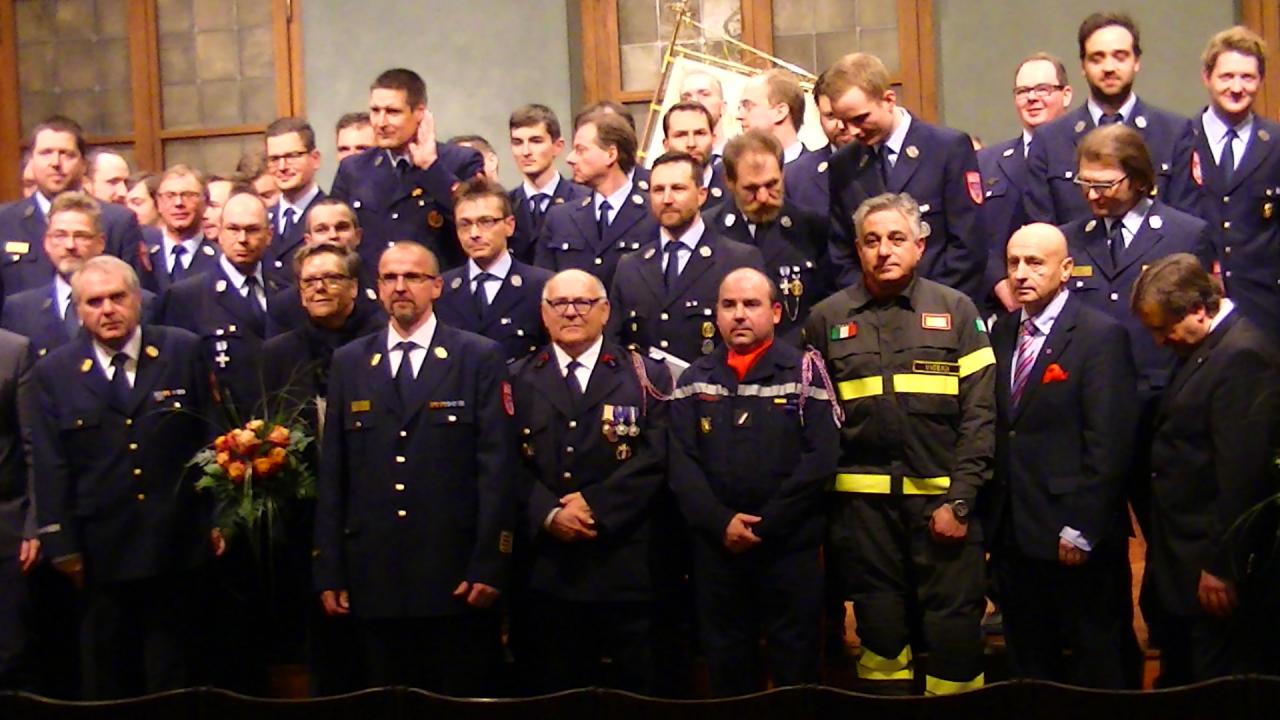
623	452
797	287
610	432
708	329
707	347
1268	209
435	220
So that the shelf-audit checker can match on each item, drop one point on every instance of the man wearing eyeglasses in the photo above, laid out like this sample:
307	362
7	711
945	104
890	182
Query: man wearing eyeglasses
493	294
180	248
293	160
1110	58
228	306
593	433
414	515
1041	94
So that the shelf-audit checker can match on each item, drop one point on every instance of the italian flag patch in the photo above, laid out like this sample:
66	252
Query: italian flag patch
981	327
845	331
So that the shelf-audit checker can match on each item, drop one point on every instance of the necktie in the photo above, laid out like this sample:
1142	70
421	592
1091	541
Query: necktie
672	272
1110	119
602	224
882	154
402	166
1228	161
251	285
177	270
404	371
1026	358
482	298
120	387
538	208
571	379
288	222
71	320
1116	239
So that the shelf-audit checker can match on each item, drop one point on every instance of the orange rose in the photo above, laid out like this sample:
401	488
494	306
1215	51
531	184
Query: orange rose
236	471
222	443
244	442
263	468
224	459
277	456
254	425
279	435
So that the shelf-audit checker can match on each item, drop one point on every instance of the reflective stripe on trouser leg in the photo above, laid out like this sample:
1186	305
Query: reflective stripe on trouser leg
877	667
938	686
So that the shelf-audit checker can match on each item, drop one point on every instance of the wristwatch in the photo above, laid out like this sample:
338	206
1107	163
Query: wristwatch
960	508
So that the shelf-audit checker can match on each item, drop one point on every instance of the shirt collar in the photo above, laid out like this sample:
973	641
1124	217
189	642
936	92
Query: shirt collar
1026	139
1215	128
707	172
300	207
132	348
1225	306
238	278
899	134
549	189
616	200
43	203
1126	110
791	152
394	156
587	359
1132	220
422	336
500	267
1044	321
190	241
61	293
691	237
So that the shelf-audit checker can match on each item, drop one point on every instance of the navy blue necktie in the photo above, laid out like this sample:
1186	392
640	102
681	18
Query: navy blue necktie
288	222
482	298
177	271
404	371
1228	163
571	379
1116	239
602	224
538	208
120	387
251	294
1110	119
672	272
71	320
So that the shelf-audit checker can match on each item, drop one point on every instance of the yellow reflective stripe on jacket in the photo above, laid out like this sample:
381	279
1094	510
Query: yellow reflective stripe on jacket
883	484
875	667
938	686
931	384
976	360
861	388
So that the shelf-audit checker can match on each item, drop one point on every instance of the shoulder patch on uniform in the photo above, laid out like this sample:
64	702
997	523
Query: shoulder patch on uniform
981	326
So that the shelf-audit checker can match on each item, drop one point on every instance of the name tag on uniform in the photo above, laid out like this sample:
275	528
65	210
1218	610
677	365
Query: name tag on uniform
360	406
16	247
935	321
935	367
1082	271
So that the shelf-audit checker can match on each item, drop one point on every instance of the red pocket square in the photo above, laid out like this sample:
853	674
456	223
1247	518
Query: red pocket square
1054	373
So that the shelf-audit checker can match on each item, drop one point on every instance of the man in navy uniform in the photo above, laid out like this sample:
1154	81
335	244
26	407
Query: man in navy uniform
19	545
106	176
687	127
293	160
352	135
45	315
638	174
774	102
898	153
401	188
123	409
592	233
1110	55
180	248
536	143
1212	459
1240	202
57	164
754	443
228	307
493	294
414	522
593	428
792	241
808	187
664	296
1041	94
706	89
1057	525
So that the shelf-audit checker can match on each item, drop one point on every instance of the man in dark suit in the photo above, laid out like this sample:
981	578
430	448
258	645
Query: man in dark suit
123	409
400	189
1212	459
773	101
592	233
898	153
587	497
19	545
807	179
228	307
293	160
1110	54
493	294
45	315
1240	202
1041	94
706	89
536	144
688	127
638	174
664	296
352	134
180	248
414	518
57	164
792	241
1067	412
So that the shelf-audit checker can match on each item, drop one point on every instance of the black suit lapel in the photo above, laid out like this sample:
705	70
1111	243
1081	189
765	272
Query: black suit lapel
651	272
151	364
627	216
908	159
34	224
437	363
551	384
1187	369
228	296
90	372
1096	245
507	296
703	257
1147	241
605	378
1014	167
867	173
1260	145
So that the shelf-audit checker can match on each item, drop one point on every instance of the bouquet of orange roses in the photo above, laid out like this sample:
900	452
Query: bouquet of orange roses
254	472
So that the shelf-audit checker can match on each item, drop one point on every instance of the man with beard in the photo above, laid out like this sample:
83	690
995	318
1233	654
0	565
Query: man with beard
592	233
57	164
792	241
687	127
536	144
705	89
807	185
293	160
106	176
1110	57
182	246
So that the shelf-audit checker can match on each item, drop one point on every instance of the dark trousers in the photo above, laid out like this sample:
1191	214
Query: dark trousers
455	655
1199	648
575	645
15	607
900	578
1050	607
137	636
742	597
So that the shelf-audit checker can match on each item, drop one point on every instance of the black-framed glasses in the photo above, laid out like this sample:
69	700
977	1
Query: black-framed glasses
1102	188
1022	92
581	306
485	224
186	196
332	280
409	278
290	157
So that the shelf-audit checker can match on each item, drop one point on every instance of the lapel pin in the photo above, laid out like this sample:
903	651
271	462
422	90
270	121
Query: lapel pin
586	202
377	161
648	253
559	201
416	192
729	219
152	351
207	250
516	280
704	251
1264	136
1156	222
822	166
785	221
644	184
913	152
1079	126
1008	152
373	361
1089	226
220	286
86	365
1140	121
457	283
441	352
637	199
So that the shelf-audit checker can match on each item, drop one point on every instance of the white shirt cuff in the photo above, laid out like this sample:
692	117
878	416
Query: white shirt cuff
1071	535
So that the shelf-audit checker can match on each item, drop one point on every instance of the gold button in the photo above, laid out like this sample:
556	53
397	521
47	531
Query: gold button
128	422
1226	224
402	513
79	422
359	424
133	446
400	458
142	496
137	472
599	261
399	487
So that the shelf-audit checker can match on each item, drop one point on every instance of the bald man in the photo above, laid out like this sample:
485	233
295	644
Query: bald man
1066	398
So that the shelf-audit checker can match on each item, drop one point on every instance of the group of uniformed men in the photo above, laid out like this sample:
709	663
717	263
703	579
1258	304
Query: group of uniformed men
503	453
